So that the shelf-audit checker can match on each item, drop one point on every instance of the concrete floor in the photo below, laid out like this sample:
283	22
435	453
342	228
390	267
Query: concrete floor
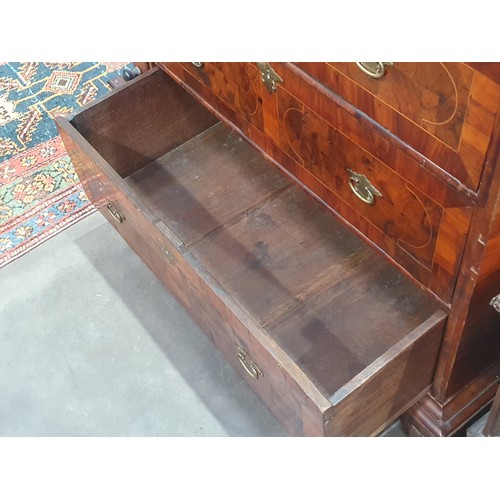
93	345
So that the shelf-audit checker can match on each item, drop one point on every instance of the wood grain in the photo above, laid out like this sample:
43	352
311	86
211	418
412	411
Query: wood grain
489	69
128	135
429	417
472	342
440	109
421	222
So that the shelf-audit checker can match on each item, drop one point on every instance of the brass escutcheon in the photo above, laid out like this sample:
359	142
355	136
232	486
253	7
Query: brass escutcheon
269	77
373	69
115	213
362	187
248	364
495	302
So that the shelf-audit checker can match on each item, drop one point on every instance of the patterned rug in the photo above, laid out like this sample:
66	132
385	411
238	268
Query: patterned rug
40	194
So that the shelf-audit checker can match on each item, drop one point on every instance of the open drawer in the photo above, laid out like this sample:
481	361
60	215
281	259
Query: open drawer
332	337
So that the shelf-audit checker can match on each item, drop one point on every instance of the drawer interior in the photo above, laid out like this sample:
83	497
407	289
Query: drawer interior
138	123
332	303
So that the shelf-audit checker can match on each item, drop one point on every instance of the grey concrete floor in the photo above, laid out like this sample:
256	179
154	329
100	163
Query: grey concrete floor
91	344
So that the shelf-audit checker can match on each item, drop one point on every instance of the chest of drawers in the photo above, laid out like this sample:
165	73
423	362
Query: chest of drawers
336	235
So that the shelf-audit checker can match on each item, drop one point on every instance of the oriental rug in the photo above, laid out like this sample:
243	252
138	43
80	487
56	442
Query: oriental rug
40	194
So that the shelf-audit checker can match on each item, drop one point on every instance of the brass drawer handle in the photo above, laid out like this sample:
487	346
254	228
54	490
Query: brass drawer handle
170	256
115	213
269	77
495	302
362	187
248	364
373	69
198	65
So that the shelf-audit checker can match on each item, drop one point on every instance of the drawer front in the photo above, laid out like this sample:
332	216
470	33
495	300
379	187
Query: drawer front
285	390
237	93
406	223
443	110
419	220
370	188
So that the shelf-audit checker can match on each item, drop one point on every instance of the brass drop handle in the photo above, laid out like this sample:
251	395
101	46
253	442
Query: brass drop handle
170	256
495	302
248	364
115	213
269	77
362	187
373	69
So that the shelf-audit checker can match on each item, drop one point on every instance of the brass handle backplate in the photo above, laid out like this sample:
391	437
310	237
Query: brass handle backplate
269	77
495	302
115	213
373	69
248	364
362	187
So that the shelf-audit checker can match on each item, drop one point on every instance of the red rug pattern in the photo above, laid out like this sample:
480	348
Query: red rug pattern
40	194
